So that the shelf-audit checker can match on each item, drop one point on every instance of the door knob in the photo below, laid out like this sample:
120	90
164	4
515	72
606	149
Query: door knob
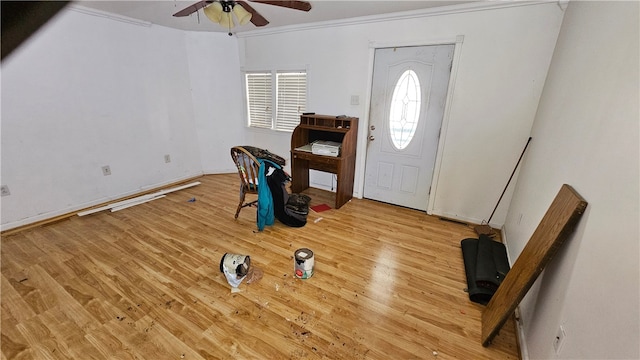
371	138
373	127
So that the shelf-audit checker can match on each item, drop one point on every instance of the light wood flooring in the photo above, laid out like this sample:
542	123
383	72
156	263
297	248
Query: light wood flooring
145	283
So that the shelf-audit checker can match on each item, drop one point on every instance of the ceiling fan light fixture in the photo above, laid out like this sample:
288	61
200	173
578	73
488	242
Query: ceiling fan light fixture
222	11
242	14
226	20
214	12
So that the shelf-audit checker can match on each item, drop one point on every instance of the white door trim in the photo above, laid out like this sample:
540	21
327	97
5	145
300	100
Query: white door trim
363	125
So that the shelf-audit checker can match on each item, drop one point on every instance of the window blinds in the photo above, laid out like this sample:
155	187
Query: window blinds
259	99
291	99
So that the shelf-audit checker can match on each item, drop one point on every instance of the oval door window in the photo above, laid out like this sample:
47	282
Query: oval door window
404	112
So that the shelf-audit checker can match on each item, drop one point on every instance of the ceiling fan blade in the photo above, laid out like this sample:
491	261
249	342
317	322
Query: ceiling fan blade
256	18
193	8
297	5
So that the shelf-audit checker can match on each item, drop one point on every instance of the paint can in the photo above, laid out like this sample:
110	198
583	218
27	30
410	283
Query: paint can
303	263
235	264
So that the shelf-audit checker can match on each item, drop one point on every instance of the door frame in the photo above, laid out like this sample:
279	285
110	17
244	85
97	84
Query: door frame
361	156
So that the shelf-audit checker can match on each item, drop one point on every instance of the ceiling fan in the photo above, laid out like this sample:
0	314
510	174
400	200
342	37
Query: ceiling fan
220	11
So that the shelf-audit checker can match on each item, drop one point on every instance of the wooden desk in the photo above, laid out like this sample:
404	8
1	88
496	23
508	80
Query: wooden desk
325	127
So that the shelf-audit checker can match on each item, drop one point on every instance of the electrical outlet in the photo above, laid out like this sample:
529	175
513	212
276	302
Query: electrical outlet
558	341
4	190
106	170
167	158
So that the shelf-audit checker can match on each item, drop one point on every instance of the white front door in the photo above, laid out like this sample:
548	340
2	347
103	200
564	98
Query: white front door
408	95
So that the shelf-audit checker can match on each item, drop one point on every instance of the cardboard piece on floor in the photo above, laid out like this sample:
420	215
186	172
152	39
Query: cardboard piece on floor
554	228
137	200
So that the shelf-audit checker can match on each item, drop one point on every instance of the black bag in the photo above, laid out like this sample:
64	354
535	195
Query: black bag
277	180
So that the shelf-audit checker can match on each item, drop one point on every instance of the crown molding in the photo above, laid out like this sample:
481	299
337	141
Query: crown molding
106	15
405	15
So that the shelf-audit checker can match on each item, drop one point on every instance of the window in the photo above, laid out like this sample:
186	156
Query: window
405	109
259	103
290	101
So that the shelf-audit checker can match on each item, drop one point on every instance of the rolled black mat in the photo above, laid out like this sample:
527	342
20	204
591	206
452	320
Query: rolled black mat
476	293
492	264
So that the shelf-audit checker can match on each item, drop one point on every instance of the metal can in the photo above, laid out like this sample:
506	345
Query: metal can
235	264
303	263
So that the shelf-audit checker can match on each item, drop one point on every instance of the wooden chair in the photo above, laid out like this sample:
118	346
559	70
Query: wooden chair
248	167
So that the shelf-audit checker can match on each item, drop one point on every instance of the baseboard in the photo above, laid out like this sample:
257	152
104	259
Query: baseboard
219	171
522	343
322	187
464	219
54	216
454	220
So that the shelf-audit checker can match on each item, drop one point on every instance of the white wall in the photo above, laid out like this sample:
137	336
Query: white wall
500	75
586	134
216	85
89	91
111	89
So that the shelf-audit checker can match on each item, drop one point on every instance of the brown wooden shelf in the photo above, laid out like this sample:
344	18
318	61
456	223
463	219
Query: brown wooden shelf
324	128
340	129
327	121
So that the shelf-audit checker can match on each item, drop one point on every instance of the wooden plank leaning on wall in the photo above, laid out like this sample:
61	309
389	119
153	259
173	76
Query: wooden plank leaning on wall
555	227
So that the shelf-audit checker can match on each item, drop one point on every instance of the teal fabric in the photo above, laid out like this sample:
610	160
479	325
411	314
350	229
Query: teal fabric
266	214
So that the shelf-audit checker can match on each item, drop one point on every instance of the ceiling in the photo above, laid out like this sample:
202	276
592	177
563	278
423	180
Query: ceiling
160	12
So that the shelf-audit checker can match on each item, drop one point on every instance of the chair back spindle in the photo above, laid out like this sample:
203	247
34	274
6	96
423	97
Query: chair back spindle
248	169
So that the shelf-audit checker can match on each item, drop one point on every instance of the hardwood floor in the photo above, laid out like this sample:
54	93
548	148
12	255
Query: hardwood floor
145	283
